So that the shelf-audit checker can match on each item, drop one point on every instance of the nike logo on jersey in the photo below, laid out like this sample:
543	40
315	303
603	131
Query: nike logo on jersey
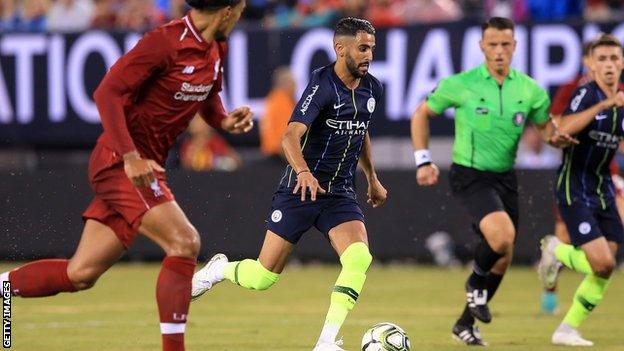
601	116
188	70
339	106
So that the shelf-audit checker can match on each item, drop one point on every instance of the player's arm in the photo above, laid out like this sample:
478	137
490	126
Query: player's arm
573	123
545	125
427	172
237	121
148	56
212	111
308	108
377	194
292	150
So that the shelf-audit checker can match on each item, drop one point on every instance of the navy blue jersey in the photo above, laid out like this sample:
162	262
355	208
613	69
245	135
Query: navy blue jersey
584	173
337	118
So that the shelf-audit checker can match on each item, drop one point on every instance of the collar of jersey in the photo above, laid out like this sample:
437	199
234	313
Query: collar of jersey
188	20
486	74
339	81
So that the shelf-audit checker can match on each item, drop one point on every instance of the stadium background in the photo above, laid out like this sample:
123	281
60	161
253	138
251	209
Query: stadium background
54	53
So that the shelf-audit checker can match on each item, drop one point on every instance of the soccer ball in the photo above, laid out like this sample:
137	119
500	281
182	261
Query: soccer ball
385	337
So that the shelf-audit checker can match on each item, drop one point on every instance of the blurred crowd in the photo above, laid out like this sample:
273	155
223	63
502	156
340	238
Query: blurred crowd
140	15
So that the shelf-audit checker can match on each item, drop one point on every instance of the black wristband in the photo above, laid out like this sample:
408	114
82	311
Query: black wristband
305	170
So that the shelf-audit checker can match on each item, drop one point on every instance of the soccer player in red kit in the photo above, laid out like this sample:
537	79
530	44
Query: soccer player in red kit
145	101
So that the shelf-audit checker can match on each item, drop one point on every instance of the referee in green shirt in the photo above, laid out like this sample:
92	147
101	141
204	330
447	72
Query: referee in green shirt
492	104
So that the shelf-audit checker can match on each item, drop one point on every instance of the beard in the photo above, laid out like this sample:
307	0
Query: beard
353	68
220	36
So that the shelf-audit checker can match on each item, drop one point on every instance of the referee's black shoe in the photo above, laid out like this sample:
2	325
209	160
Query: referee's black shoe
477	303
469	335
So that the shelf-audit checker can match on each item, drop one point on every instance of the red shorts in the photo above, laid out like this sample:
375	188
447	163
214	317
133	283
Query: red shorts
118	204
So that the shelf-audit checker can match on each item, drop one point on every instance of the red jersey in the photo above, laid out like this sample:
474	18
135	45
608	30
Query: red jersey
151	93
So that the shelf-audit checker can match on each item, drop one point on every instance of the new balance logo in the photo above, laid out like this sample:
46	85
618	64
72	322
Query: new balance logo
188	70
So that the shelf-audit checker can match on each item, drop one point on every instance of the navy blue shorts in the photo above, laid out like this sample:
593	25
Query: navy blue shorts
290	218
586	223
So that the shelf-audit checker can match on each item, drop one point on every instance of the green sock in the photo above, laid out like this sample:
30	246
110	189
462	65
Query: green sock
355	262
250	274
587	297
573	258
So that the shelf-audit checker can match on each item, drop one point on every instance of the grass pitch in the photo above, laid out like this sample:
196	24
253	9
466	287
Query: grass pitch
120	313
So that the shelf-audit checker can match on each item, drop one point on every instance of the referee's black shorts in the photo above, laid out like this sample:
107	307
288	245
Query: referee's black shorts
483	192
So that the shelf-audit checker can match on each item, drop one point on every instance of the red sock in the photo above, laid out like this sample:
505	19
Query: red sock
173	295
41	278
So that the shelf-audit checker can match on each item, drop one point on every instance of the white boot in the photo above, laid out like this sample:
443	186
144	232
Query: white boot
205	278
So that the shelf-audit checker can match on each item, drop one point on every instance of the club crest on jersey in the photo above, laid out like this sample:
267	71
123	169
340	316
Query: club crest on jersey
370	104
518	118
156	188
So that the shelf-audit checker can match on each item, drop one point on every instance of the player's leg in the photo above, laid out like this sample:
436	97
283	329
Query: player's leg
350	241
599	255
258	274
98	250
489	268
549	267
286	223
167	225
499	233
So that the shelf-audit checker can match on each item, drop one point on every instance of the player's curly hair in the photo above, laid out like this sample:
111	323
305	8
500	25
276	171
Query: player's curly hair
349	26
211	4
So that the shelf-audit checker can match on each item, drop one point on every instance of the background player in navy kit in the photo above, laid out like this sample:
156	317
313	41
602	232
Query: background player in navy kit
585	193
327	134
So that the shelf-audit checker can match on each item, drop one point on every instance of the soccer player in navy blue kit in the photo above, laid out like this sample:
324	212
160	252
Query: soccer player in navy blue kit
326	136
584	190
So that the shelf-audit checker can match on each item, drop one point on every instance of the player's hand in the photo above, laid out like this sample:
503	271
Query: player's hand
562	140
305	181
427	175
377	194
558	139
238	121
140	171
616	100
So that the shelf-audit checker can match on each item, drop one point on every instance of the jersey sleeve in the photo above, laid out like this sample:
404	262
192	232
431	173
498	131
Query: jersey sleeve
311	102
212	110
119	85
540	106
562	98
582	99
442	97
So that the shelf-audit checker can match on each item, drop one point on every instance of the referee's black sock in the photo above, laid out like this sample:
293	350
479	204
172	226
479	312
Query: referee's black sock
492	282
485	258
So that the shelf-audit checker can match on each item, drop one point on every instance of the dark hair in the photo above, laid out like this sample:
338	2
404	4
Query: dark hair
500	23
587	47
211	4
605	40
350	26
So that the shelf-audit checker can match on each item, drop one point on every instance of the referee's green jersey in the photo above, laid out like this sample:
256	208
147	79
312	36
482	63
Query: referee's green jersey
489	118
